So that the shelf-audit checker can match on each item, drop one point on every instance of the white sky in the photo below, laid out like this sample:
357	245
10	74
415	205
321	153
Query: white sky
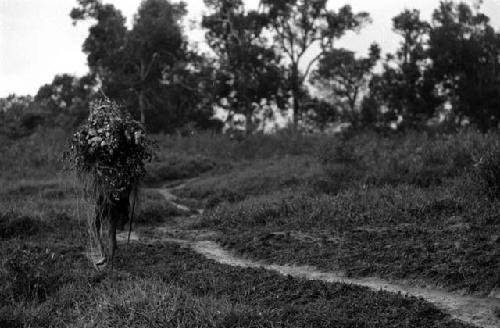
38	40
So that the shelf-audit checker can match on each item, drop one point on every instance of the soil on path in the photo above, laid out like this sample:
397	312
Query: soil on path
479	311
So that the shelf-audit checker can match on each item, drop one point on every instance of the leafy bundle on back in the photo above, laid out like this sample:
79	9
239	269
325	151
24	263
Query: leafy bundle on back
108	153
111	147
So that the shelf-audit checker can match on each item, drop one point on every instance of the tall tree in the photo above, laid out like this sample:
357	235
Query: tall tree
248	69
106	40
465	51
188	93
301	25
346	76
131	63
413	30
404	86
154	45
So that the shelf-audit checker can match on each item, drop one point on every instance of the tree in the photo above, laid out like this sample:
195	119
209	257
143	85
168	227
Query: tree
188	93
346	76
131	64
301	25
465	52
404	86
247	69
62	103
106	40
19	115
413	30
66	99
318	113
154	45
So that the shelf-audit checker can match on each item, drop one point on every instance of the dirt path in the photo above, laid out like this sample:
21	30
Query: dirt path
479	311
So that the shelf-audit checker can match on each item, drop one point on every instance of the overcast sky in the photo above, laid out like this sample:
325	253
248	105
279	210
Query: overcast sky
38	40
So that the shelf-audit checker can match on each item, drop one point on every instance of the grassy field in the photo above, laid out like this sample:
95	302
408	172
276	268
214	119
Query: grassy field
419	206
410	207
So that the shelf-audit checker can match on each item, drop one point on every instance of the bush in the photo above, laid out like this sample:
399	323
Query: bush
155	213
36	156
417	158
340	165
488	170
13	225
152	208
32	274
176	167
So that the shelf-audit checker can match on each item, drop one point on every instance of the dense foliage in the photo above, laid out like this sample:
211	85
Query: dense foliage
445	70
345	78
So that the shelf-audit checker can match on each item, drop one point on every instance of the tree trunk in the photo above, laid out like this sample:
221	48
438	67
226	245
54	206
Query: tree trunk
248	123
142	107
296	108
352	109
248	111
296	95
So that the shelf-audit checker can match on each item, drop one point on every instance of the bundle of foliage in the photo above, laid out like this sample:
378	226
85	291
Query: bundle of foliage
111	148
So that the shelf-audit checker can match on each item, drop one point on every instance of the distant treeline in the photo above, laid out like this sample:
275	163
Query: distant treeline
446	70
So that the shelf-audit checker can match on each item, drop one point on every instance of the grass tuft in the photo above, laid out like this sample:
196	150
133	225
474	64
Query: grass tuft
13	225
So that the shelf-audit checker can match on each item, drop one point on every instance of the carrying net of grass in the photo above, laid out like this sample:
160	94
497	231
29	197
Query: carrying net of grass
108	153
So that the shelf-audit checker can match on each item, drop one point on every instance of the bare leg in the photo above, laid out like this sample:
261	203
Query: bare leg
102	212
95	228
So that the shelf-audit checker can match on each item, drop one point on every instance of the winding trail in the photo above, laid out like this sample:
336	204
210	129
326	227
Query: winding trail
479	311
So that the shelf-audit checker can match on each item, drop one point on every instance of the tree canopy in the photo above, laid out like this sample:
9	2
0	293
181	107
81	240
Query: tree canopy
148	67
346	76
465	52
300	25
248	69
270	56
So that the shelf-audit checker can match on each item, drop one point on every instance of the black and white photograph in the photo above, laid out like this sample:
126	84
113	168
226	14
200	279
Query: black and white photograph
249	163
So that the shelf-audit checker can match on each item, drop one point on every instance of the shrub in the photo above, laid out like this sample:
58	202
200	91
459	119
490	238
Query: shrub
152	208
417	158
36	156
340	165
13	225
223	195
8	319
175	167
155	213
31	274
488	170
